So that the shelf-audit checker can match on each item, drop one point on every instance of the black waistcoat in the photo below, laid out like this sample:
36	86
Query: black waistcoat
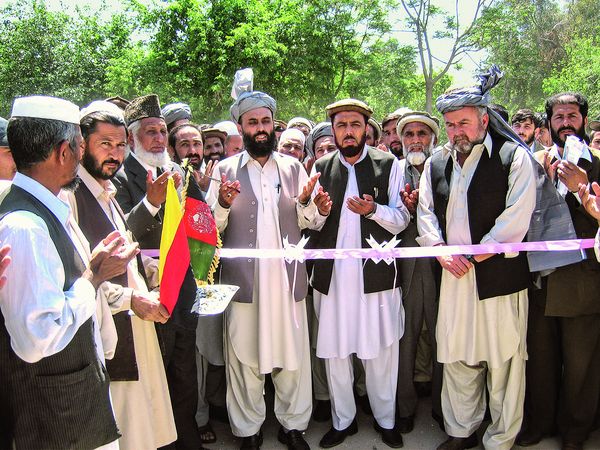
95	225
486	197
372	177
61	401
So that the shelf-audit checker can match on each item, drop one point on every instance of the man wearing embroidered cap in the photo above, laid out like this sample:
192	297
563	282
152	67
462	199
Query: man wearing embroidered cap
262	202
358	303
55	386
141	193
176	114
138	386
418	133
480	188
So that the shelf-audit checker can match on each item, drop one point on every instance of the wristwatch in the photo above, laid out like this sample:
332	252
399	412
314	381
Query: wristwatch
471	259
369	215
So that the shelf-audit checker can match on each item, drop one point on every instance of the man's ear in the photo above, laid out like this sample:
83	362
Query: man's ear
61	151
239	127
130	140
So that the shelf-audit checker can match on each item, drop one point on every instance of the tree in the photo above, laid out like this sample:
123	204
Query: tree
421	15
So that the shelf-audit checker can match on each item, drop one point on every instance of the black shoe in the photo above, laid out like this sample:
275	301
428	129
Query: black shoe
390	437
218	413
363	402
423	388
529	436
293	439
439	419
335	437
322	411
252	442
405	424
456	443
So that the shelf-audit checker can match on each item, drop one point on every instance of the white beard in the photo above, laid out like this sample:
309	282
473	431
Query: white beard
152	159
416	158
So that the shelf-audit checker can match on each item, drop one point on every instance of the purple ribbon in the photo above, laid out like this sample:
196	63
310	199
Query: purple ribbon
403	252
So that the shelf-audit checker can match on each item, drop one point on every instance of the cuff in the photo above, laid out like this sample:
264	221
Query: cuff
429	240
153	210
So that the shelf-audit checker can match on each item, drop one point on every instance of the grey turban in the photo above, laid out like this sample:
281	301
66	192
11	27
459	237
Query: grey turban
3	138
176	111
479	95
247	101
320	130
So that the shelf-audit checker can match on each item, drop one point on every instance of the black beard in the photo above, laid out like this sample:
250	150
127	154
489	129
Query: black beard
95	170
352	150
259	149
561	143
72	185
213	157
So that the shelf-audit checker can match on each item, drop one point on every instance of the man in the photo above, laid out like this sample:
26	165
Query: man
141	193
542	133
233	142
525	123
185	142
373	133
390	137
279	126
138	382
214	144
479	189
563	372
300	123
54	388
595	140
418	133
176	114
291	143
257	205
7	164
358	304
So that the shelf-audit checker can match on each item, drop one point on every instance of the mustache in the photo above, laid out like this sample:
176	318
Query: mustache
192	155
567	128
111	161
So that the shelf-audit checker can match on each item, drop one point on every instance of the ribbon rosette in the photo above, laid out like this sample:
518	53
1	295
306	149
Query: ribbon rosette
294	252
382	249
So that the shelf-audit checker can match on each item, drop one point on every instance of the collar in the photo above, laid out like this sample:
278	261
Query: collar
553	151
97	189
362	156
487	144
60	209
246	158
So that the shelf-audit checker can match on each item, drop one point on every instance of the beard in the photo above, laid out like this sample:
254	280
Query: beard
216	156
350	151
528	139
396	149
98	170
72	185
416	154
259	149
151	158
580	133
462	144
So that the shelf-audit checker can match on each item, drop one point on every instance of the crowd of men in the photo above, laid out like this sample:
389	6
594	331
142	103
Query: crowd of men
90	357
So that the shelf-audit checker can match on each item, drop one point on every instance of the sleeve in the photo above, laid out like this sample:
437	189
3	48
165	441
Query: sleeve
394	216
430	233
40	318
513	223
306	213
212	199
314	219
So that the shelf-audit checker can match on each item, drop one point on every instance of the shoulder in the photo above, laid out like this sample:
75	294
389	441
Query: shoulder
326	160
287	162
229	163
18	224
380	156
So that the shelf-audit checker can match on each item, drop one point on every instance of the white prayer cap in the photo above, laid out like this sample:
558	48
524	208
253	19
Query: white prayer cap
228	127
300	121
292	133
44	107
102	106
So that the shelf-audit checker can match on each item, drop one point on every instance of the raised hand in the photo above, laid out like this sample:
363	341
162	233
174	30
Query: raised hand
228	191
591	202
323	202
156	190
307	190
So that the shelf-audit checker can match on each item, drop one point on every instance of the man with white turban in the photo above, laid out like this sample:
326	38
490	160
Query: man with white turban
291	143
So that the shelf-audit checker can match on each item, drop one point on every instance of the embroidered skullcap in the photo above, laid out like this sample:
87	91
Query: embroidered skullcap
142	108
300	121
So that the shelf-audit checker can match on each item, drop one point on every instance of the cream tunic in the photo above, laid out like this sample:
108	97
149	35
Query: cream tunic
470	330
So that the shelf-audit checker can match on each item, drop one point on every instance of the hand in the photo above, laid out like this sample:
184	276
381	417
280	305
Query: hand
383	148
4	262
110	258
410	198
307	190
146	307
309	163
550	167
571	175
323	202
204	178
362	206
591	202
457	265
228	191
156	190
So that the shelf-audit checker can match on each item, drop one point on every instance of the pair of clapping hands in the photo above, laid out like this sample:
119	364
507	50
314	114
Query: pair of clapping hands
110	259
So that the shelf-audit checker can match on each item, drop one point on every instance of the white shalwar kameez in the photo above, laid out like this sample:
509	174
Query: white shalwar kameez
270	334
473	336
351	321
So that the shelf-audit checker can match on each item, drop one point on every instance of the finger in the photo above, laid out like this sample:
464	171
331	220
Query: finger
130	251
111	237
114	245
367	197
596	188
162	311
4	250
407	188
162	178
149	178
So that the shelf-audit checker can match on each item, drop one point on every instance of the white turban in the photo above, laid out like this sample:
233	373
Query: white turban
292	133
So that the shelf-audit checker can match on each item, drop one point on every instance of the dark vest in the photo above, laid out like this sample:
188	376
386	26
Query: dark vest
486	199
61	401
95	225
372	176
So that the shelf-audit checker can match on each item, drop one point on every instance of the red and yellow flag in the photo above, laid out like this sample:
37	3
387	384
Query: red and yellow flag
174	251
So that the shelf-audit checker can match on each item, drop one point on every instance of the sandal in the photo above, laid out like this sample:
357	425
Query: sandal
207	434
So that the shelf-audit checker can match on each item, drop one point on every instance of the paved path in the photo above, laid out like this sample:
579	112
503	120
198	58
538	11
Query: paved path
426	435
